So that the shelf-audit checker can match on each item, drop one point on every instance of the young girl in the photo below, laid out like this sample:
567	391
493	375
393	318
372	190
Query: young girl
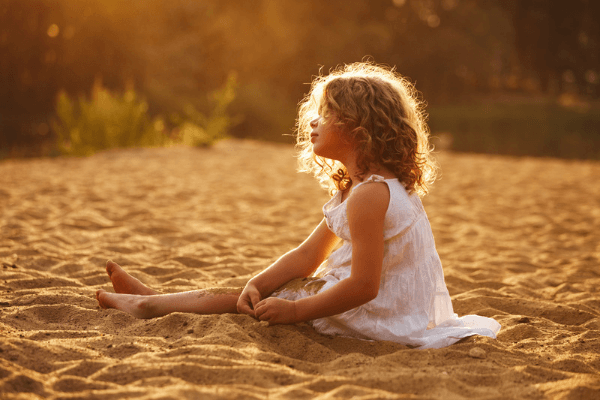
361	132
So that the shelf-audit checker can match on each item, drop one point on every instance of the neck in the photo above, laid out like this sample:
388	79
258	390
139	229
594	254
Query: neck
353	170
350	163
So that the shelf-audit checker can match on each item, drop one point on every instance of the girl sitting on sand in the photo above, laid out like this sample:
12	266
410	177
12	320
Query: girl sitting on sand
361	132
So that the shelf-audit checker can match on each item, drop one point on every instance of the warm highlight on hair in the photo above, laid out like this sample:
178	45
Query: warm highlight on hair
380	111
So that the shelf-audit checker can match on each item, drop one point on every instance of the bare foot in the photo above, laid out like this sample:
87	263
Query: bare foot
124	283
135	305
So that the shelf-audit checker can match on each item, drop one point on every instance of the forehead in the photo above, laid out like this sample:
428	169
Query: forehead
317	100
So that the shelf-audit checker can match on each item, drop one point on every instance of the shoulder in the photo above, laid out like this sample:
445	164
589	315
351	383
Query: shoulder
370	200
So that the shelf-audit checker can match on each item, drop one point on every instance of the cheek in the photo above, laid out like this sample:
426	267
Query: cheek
343	140
330	146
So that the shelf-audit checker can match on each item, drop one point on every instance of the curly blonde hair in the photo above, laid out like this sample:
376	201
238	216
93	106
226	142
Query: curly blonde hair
381	113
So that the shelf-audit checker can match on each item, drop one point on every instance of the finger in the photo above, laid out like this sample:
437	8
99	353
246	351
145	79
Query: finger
265	316
260	303
255	298
260	310
244	307
264	312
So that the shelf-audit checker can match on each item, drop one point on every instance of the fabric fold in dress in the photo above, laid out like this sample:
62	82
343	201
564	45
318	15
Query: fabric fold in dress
413	306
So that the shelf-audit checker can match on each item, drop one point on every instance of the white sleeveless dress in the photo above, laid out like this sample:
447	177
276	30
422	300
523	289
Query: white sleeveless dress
413	306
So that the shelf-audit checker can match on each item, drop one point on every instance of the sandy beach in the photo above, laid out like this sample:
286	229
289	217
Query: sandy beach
519	239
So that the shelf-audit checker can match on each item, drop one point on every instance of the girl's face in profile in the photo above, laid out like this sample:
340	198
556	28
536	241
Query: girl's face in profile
328	139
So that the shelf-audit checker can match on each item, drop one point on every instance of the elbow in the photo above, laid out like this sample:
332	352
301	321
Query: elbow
364	290
369	291
372	292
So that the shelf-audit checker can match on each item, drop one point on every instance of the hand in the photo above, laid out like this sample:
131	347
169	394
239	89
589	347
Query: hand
248	300
276	311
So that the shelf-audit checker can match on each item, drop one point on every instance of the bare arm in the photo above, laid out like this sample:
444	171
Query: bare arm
298	263
366	214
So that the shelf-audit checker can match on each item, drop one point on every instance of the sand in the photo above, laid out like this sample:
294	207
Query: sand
519	239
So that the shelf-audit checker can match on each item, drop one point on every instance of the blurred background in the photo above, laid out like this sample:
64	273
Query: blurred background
518	77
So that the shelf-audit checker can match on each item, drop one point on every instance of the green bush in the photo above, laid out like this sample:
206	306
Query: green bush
108	120
105	121
197	129
536	128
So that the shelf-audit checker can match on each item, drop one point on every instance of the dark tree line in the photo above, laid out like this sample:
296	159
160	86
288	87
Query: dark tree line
175	51
559	42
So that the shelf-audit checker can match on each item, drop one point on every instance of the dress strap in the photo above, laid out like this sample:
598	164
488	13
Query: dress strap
372	178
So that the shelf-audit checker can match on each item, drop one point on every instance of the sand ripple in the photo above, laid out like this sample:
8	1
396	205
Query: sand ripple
518	238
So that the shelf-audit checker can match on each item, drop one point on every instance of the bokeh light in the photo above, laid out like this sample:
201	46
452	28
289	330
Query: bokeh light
433	21
53	31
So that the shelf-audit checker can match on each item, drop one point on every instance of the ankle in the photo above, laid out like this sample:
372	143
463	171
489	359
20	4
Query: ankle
145	307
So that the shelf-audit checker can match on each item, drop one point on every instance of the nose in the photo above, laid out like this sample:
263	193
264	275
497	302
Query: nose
314	122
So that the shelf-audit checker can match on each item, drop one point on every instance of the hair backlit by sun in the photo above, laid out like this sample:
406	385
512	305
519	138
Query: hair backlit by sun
381	112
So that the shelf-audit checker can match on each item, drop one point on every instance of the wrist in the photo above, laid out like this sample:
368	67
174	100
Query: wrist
299	311
253	285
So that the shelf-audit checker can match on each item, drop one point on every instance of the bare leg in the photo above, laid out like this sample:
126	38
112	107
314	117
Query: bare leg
124	283
207	301
141	301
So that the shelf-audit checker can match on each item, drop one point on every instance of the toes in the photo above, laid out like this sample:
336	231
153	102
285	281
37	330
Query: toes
111	267
98	293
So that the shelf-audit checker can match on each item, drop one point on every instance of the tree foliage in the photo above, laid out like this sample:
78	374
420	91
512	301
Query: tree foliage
103	122
174	52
